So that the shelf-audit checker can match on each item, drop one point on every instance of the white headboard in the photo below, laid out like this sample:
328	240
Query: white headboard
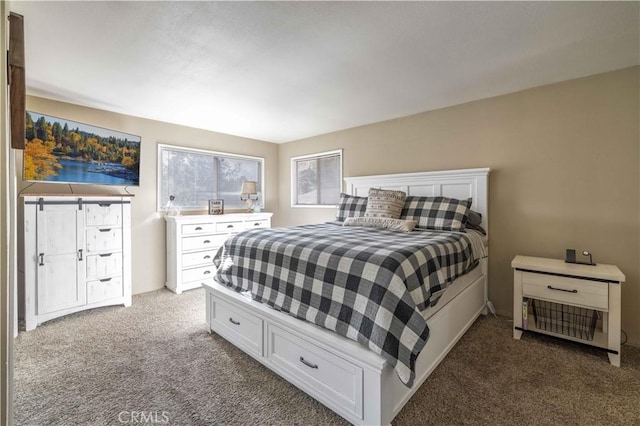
461	184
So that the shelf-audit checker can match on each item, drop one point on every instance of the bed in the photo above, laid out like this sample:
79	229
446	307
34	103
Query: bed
364	376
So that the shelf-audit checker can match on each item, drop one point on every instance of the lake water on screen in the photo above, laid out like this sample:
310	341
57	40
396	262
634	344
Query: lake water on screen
82	172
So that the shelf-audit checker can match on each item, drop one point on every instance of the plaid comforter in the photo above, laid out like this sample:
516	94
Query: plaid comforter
366	284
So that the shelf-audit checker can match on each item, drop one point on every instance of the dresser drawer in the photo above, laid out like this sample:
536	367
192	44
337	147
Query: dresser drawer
240	327
203	272
570	291
103	214
104	289
251	224
229	227
198	228
198	258
310	366
103	239
104	265
203	242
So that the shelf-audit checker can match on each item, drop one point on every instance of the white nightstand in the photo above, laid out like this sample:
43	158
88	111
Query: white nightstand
572	301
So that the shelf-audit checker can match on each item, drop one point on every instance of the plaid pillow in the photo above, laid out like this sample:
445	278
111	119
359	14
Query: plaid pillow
351	206
437	213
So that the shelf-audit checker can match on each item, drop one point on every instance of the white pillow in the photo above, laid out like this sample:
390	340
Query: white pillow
381	222
385	203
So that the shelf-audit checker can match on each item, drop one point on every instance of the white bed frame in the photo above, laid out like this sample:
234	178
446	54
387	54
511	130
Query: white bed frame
356	383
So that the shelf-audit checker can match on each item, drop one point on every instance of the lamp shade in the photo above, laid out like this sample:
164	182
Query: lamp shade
249	187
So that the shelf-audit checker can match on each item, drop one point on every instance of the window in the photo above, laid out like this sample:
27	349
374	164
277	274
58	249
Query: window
316	179
195	176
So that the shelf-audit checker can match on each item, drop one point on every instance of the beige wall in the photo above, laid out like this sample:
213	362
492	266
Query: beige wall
148	226
565	162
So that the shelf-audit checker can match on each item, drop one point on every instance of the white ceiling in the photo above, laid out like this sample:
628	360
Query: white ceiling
282	71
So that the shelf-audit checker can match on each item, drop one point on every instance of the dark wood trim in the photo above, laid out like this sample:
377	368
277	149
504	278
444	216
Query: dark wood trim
17	83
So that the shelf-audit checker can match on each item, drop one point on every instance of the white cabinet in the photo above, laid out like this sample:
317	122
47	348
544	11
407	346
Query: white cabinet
76	255
565	300
193	241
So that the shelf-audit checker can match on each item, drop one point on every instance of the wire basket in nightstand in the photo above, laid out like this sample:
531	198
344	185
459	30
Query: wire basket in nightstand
565	319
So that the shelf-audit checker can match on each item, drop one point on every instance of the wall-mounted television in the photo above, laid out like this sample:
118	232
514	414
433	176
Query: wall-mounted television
65	151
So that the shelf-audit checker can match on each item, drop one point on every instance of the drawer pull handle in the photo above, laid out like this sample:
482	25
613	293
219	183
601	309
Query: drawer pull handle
562	289
256	224
206	242
229	226
234	322
207	257
105	280
198	228
104	230
104	204
307	363
105	254
206	272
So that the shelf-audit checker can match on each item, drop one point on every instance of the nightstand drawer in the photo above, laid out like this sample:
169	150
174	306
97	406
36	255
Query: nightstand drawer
571	291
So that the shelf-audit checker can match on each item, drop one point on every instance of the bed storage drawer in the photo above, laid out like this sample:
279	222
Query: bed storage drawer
240	327
570	291
310	366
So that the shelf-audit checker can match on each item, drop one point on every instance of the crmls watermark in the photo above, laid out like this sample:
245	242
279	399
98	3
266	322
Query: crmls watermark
143	417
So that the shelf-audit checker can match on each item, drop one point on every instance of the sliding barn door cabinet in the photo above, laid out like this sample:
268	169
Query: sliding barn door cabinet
77	255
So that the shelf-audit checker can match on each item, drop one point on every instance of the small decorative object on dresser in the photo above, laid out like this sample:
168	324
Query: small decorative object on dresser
578	302
216	206
249	189
193	240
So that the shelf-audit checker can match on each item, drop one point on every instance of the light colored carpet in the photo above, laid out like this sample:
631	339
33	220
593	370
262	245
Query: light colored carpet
156	359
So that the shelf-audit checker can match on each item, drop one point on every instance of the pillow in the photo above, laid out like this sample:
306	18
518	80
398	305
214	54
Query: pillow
384	203
475	218
475	222
381	222
437	213
351	206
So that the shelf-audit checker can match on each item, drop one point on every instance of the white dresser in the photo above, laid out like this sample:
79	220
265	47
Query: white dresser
192	242
77	254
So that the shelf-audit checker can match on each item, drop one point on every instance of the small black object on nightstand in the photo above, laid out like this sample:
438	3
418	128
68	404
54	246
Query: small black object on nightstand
571	258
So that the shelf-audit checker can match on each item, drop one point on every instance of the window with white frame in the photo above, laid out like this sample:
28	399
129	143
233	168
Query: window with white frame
316	179
195	176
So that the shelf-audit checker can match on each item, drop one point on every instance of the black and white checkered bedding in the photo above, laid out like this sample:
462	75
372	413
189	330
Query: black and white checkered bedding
367	284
